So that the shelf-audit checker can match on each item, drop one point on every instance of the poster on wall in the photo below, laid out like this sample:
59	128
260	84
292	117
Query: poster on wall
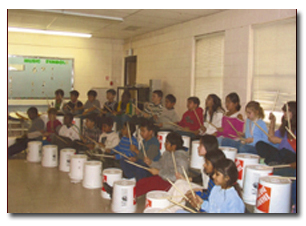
39	77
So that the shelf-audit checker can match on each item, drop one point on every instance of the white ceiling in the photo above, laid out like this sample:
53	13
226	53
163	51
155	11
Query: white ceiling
135	21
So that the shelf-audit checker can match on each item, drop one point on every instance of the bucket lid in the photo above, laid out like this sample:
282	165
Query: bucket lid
93	163
112	171
68	150
259	167
225	148
125	183
34	142
50	146
158	195
247	156
275	180
79	156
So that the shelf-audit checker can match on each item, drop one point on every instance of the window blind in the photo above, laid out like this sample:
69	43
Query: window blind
274	66
209	58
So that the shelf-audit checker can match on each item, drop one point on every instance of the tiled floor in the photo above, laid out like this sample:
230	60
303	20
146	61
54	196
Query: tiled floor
36	189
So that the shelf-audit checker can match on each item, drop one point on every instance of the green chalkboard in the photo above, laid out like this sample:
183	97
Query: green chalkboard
38	77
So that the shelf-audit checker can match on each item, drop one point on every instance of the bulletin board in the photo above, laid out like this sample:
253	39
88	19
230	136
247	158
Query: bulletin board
39	77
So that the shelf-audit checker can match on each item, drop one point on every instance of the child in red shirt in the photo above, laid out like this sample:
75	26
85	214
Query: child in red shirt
52	124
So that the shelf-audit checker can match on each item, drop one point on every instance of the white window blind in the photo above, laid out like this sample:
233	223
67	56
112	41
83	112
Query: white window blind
209	58
274	69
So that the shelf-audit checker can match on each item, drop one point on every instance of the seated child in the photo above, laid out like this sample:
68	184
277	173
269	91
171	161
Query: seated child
165	168
225	196
108	139
110	104
168	116
124	109
150	149
90	134
52	125
92	105
154	108
74	106
59	102
33	134
67	133
192	119
123	147
213	115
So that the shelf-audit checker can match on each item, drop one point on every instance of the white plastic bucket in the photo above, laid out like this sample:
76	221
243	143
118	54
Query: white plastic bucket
92	175
110	175
124	196
229	152
273	195
157	199
196	161
242	160
65	155
251	179
49	156
77	167
161	135
34	151
156	210
186	142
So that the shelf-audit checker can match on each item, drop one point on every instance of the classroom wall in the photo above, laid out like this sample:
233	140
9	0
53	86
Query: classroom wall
168	54
94	59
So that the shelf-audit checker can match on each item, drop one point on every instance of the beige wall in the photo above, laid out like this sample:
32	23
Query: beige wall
167	54
94	58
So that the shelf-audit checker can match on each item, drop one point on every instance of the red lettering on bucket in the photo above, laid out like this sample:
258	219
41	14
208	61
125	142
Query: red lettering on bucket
104	178
263	198
134	195
239	165
148	203
160	139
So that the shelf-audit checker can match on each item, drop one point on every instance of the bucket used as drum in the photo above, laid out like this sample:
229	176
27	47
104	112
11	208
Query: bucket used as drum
92	175
49	156
124	196
156	210
251	179
34	151
77	167
186	142
157	199
229	152
110	175
242	160
273	195
161	135
65	155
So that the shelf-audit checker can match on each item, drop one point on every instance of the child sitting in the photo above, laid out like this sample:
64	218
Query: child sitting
168	117
192	119
74	106
52	125
33	134
124	109
59	102
154	108
123	147
92	105
111	104
149	148
172	160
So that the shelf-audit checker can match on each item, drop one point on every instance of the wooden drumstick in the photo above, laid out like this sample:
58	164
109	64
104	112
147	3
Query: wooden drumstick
289	131
288	118
199	121
143	148
261	129
275	102
119	153
232	126
129	132
135	164
174	162
185	207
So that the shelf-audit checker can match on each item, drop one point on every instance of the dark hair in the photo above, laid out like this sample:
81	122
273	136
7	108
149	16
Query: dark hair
126	92
159	93
92	93
74	93
111	91
59	92
70	116
210	142
255	106
216	106
52	111
32	110
108	121
132	127
234	99
195	100
175	139
171	98
91	117
215	156
149	124
292	109
228	168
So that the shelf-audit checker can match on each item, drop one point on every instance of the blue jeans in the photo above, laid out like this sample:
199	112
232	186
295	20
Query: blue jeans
241	148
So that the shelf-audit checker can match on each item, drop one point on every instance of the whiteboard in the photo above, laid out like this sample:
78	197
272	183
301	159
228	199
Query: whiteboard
39	77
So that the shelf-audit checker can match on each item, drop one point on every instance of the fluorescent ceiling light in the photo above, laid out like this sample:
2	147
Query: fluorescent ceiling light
48	32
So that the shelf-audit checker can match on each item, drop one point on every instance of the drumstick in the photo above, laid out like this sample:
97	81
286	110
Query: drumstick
103	155
174	162
187	179
135	164
168	206
185	207
178	190
110	110
261	129
275	102
144	150
199	121
138	108
232	126
280	166
212	125
60	138
129	132
287	110
289	131
119	153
